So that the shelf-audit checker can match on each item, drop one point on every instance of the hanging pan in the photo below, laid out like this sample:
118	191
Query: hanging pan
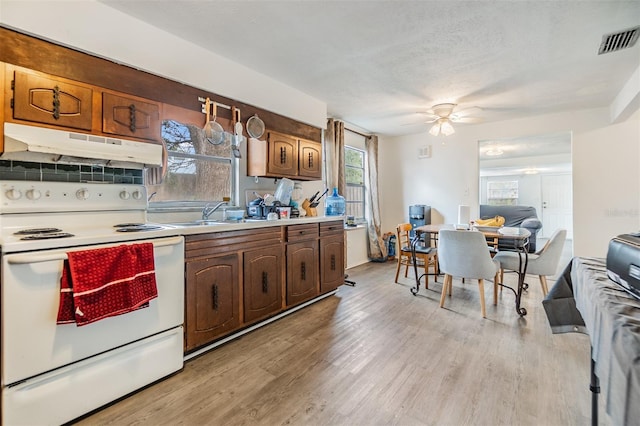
255	127
213	131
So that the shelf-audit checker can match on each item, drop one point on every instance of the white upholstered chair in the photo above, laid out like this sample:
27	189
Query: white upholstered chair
464	254
543	263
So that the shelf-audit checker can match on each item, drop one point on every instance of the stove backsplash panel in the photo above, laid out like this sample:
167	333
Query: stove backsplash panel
46	172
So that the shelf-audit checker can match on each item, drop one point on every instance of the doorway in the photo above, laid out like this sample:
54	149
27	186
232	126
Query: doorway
556	204
540	168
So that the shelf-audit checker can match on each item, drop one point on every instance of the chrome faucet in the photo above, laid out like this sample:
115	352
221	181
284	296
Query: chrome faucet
208	210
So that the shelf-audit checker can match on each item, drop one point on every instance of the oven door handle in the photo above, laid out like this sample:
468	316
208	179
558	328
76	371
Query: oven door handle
26	258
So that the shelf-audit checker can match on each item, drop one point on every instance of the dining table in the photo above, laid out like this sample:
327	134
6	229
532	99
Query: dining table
517	240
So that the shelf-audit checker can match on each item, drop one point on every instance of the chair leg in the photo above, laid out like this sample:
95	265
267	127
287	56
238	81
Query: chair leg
398	267
481	288
502	275
436	269
447	281
450	285
543	283
426	272
495	289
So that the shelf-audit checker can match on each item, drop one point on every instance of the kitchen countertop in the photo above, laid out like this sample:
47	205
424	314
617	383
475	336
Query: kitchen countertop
221	226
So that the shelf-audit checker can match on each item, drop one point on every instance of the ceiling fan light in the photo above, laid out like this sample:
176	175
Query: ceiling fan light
446	128
435	129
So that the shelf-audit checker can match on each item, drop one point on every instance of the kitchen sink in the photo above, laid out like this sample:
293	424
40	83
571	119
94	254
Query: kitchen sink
199	223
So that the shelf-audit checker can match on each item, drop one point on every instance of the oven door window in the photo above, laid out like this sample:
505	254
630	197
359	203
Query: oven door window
198	171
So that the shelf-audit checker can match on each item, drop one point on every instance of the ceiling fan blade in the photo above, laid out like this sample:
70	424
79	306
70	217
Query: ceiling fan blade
466	120
465	112
430	115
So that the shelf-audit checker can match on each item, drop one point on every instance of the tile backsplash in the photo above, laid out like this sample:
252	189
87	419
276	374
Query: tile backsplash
23	170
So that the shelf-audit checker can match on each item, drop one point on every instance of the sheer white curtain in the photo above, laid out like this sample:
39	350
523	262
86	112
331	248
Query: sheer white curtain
376	247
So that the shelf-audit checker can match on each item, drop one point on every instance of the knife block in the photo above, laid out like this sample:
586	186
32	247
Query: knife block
311	211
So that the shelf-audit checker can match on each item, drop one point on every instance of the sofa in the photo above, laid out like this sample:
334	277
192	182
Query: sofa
515	216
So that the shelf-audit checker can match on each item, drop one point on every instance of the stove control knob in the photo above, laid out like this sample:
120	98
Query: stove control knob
82	194
33	194
137	195
124	195
13	194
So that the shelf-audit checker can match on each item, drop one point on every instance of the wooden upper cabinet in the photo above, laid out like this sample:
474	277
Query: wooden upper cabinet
130	117
310	159
51	100
283	154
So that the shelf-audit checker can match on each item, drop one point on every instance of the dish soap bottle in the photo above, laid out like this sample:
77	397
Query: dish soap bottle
334	205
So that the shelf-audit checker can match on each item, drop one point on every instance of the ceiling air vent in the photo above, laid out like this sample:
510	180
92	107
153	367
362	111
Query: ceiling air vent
619	40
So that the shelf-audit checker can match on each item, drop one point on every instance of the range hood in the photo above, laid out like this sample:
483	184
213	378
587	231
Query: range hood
40	144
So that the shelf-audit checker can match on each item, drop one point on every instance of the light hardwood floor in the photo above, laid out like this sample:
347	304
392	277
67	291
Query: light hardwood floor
376	355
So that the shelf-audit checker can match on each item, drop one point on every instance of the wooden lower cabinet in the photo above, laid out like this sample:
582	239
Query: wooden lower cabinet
302	272
237	278
331	255
212	297
263	275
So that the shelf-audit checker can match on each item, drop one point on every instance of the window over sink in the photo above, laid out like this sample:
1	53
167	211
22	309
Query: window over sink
198	171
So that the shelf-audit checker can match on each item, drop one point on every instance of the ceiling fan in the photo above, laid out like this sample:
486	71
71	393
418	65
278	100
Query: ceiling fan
443	115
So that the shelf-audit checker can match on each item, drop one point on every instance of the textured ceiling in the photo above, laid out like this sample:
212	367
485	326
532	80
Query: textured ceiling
378	63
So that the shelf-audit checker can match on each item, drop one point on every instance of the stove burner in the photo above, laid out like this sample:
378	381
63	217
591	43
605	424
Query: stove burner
138	228
127	225
47	235
37	231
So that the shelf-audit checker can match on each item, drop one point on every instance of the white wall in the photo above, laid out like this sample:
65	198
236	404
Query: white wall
606	178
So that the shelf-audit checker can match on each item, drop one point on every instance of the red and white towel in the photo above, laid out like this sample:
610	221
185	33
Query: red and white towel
106	282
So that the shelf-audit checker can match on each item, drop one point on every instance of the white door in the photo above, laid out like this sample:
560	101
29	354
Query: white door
557	204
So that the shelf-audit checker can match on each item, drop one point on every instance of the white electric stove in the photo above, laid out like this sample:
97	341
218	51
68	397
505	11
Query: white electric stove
54	373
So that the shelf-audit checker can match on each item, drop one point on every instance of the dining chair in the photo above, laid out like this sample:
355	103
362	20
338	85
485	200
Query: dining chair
543	263
464	254
428	256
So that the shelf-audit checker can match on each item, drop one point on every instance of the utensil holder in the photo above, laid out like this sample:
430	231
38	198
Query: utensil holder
311	211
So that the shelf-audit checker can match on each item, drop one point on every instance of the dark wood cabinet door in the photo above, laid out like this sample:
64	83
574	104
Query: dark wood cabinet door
302	272
131	117
310	159
283	155
331	263
263	275
51	101
212	297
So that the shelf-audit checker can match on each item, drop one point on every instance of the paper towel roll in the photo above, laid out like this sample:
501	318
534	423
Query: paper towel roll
464	215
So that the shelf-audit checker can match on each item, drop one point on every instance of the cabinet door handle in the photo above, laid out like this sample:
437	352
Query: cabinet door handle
310	160
56	102
303	271
132	117
333	262
265	282
214	296
283	155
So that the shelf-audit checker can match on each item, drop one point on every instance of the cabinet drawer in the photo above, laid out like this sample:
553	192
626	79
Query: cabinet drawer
302	232
203	245
335	227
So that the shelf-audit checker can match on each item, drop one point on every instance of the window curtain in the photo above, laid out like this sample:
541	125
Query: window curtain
334	152
376	249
